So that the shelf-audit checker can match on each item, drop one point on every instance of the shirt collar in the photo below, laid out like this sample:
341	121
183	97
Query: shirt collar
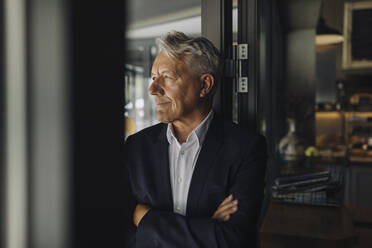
200	130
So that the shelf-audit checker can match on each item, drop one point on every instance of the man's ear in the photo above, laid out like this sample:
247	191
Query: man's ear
207	84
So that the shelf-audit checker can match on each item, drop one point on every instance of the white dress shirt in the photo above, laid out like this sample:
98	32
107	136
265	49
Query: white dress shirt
182	160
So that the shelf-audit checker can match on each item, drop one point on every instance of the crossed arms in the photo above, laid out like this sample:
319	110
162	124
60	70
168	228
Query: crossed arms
223	212
233	223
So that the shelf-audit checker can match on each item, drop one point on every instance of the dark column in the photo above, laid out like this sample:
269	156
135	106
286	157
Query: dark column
97	87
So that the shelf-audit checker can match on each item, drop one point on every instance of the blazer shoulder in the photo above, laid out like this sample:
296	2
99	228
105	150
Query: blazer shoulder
241	137
151	132
136	143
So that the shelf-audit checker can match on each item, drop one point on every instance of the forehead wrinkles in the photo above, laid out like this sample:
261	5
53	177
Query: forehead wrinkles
180	65
163	63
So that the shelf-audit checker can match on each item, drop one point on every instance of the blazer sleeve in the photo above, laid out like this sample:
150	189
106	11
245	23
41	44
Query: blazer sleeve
168	229
130	203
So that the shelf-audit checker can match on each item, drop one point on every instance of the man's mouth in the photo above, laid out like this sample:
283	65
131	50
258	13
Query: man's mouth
161	103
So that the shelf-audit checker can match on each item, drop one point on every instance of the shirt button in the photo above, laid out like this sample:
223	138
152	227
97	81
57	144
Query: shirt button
182	152
178	208
179	180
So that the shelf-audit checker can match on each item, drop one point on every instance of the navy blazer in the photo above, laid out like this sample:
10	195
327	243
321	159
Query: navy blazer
231	160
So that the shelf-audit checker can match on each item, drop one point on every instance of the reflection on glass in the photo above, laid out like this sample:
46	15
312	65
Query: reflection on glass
235	43
139	107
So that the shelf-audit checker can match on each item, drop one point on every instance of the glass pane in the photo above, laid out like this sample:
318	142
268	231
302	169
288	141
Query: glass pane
146	21
139	109
316	108
235	43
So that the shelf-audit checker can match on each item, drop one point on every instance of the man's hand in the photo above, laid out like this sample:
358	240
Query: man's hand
139	212
226	208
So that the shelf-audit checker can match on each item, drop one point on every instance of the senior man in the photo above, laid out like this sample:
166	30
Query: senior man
198	181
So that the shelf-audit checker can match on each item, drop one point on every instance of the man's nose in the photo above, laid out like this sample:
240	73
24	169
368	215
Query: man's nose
155	88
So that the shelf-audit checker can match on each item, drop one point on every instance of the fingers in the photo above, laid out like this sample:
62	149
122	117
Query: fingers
226	218
139	212
226	208
225	215
227	200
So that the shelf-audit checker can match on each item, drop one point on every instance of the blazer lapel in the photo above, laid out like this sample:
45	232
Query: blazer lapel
162	171
206	159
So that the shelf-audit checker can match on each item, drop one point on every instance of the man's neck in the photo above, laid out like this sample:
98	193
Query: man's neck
182	128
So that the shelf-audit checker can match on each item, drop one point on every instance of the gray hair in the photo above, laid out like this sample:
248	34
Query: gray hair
198	51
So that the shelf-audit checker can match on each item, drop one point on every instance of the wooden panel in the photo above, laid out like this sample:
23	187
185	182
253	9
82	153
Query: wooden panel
361	214
289	225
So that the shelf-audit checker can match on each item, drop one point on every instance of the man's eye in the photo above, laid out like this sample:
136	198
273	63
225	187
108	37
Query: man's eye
168	77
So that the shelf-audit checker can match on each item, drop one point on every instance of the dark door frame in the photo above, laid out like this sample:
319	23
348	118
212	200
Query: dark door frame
2	123
218	28
248	28
226	49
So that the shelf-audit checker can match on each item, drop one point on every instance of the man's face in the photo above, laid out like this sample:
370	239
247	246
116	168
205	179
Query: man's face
175	88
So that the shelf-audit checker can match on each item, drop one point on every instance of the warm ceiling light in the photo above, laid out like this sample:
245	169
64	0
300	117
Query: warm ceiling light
328	39
326	35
